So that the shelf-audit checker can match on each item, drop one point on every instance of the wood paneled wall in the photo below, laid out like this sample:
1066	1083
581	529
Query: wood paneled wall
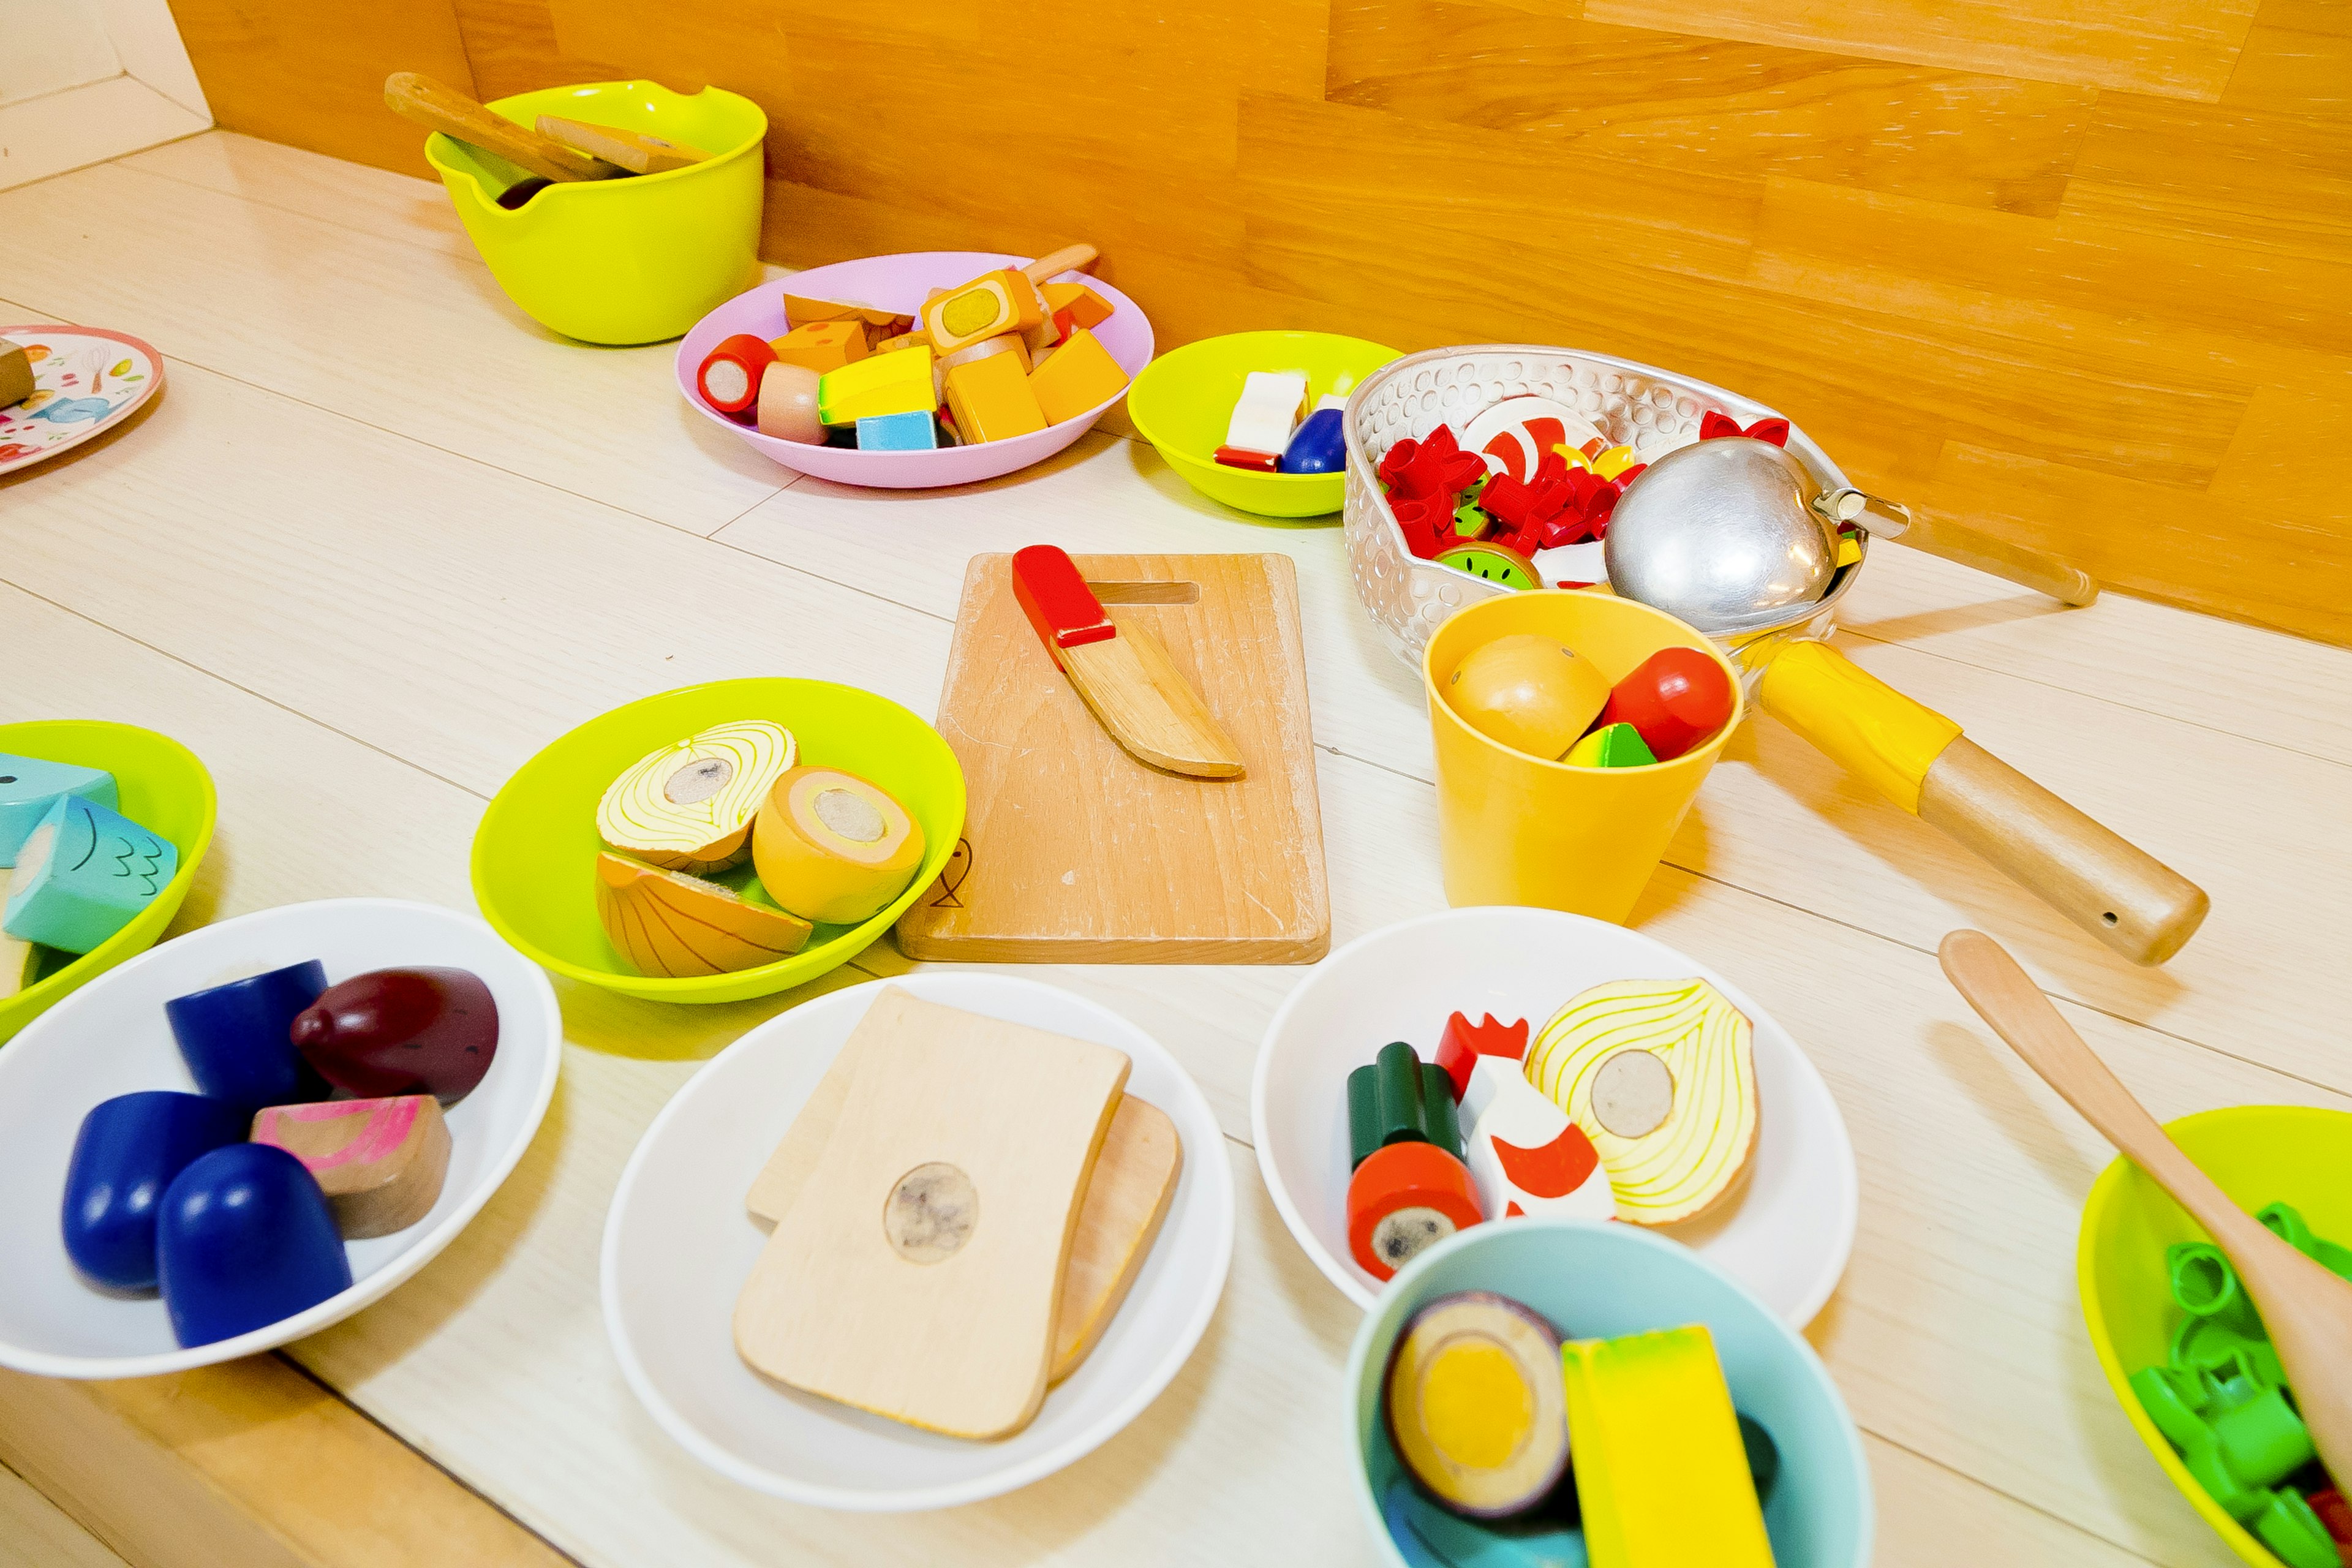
2077	270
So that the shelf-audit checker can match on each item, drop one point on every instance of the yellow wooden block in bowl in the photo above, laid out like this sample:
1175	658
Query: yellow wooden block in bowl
991	399
896	383
822	346
1076	377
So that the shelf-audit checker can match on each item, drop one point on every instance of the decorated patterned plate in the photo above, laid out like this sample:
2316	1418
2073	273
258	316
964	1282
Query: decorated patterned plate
85	380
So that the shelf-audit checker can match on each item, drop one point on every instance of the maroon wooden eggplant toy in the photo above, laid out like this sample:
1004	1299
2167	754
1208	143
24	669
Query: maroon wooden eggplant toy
402	1031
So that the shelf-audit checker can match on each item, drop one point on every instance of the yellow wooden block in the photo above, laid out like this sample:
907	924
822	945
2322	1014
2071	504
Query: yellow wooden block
822	346
988	305
1074	377
1086	308
897	383
991	399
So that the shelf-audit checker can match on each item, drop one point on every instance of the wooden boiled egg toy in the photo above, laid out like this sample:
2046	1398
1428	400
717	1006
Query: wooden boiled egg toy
1527	691
833	847
688	806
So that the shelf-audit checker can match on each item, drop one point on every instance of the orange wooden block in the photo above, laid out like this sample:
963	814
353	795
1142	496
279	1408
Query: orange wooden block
1086	308
379	1162
991	399
805	309
1074	377
994	303
903	340
822	346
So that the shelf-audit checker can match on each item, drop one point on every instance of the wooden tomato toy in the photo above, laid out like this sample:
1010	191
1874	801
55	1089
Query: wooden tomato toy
125	1157
1676	699
1527	691
1475	1406
244	1238
1403	1199
403	1031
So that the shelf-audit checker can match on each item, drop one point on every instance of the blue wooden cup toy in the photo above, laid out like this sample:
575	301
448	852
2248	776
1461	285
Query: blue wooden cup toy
238	1040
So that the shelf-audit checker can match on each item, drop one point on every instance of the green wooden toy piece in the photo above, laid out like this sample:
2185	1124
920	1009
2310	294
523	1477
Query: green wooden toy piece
1363	1114
1399	1099
1469	522
1440	1117
29	786
1611	746
82	874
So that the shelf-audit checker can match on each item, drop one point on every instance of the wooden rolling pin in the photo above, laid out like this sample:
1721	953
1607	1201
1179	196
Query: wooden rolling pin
2306	1310
1919	759
444	109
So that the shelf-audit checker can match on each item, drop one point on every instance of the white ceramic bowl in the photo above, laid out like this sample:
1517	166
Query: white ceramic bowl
678	1245
1785	1235
111	1038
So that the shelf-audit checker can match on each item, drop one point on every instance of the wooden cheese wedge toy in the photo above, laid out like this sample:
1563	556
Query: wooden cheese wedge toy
1079	375
918	1273
1661	1075
379	1162
822	346
833	847
667	922
1527	691
1525	1155
1474	1406
688	806
82	874
634	150
991	398
29	786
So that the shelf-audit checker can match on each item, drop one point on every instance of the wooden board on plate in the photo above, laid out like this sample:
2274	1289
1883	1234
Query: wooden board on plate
1073	851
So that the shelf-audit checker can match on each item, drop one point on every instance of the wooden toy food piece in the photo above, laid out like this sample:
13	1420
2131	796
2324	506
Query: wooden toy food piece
1403	1199
1126	1196
1319	446
1661	1475
1513	436
879	384
238	1038
991	400
1616	746
124	1156
15	374
1082	305
451	113
916	431
1240	457
20	964
379	1162
1525	1155
903	340
403	1031
1121	671
244	1240
1271	405
1661	1075
1676	699
631	150
1079	375
729	374
788	403
1494	563
822	346
878	324
688	806
1474	1406
833	847
963	1147
82	874
667	922
988	306
1527	691
29	789
1397	1097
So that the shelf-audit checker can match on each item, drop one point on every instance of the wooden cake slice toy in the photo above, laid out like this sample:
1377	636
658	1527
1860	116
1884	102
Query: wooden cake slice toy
917	1274
688	806
1523	1152
379	1162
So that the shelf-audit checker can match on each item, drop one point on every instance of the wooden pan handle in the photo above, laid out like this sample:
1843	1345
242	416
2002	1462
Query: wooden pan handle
2118	892
1069	259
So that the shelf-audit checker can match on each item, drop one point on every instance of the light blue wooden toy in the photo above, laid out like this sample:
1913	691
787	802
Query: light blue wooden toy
29	786
912	432
82	874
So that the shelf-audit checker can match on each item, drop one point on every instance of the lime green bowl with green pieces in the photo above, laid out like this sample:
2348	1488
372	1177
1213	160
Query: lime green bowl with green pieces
1184	399
160	785
535	852
2260	1154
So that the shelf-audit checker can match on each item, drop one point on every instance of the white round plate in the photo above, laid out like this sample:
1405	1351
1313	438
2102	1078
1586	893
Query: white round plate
109	1037
678	1245
1787	1232
85	380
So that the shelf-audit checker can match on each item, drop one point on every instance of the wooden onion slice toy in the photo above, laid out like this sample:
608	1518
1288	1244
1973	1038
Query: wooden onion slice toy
2306	1308
668	923
688	806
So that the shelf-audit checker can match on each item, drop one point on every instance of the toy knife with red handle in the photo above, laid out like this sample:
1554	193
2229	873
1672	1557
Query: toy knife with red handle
1121	671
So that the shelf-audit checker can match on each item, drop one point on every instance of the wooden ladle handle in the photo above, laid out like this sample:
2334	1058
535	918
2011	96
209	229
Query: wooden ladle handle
1957	542
1069	259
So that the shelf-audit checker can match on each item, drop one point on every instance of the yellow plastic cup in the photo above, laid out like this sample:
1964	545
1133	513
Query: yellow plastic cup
629	260
1516	829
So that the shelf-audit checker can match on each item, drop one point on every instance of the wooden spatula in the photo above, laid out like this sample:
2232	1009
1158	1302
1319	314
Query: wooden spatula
634	150
2307	1310
1121	671
444	109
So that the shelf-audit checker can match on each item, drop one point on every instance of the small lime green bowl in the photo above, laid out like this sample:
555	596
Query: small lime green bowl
2260	1154
1184	399
160	785
630	261
535	852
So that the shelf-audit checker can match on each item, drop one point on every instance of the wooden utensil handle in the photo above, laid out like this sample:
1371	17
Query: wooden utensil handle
2118	892
451	113
1069	259
2027	568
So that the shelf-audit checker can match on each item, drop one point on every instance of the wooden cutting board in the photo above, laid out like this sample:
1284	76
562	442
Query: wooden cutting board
1073	851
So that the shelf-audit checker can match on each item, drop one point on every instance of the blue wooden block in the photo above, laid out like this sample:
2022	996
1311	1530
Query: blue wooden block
125	1157
916	432
245	1240
1317	447
239	1038
82	873
30	786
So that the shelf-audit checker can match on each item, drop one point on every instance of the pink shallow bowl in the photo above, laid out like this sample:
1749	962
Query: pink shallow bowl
900	283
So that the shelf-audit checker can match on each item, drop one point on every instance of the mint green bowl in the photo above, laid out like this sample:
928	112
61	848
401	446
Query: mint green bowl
161	787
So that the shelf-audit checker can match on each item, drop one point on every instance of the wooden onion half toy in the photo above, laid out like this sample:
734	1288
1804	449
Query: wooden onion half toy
833	847
688	806
1477	1407
668	923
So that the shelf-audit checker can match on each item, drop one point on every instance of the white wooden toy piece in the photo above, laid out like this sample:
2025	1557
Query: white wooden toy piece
1270	406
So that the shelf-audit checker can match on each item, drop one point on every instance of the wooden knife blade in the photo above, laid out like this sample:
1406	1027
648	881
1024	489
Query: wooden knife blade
1121	671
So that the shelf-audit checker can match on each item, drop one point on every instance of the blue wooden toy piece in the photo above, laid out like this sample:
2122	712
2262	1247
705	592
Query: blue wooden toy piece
909	432
238	1038
127	1151
245	1240
82	874
29	786
1317	447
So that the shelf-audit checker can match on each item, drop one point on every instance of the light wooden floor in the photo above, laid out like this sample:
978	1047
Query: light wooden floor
383	539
